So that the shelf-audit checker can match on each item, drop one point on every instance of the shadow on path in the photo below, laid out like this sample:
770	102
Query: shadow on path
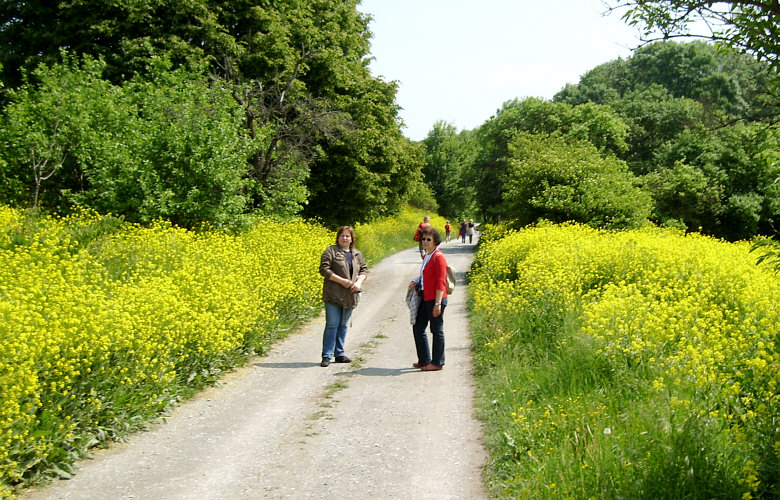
286	365
381	372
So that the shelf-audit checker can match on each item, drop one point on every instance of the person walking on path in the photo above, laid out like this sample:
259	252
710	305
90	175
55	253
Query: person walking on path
432	284
426	222
447	229
344	270
462	231
470	229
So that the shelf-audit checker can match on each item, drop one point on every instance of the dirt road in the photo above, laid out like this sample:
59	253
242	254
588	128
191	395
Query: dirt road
283	427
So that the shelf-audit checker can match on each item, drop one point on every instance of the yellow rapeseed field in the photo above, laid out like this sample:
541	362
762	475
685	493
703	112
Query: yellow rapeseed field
676	339
99	332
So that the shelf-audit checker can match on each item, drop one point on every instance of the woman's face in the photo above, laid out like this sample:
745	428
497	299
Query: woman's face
345	239
428	244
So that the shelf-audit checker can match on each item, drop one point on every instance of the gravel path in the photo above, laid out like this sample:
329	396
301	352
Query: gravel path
283	427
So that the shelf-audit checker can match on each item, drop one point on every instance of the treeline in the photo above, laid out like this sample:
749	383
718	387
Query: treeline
681	134
199	111
202	111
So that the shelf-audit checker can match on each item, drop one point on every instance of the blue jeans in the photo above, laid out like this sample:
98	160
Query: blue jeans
336	322
425	316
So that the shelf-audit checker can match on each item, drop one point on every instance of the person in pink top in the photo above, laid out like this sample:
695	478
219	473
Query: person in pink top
432	284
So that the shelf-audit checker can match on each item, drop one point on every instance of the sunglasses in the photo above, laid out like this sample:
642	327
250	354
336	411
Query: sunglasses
427	239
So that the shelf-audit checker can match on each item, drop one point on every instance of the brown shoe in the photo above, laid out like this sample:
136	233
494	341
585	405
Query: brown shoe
420	365
431	368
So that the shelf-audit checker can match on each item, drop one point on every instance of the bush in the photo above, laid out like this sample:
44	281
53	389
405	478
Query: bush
562	180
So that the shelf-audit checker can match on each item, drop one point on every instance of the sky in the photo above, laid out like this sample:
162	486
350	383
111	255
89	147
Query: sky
460	60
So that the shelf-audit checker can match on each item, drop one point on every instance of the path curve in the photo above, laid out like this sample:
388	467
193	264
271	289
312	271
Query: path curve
283	427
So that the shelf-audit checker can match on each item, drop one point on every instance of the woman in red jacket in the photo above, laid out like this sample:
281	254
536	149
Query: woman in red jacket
433	284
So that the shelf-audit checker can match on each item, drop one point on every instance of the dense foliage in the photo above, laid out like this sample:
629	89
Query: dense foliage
596	124
172	149
689	123
279	92
749	26
560	179
633	364
447	157
693	136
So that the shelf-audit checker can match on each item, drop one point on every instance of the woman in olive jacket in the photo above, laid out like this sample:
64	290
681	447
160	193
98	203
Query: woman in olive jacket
344	269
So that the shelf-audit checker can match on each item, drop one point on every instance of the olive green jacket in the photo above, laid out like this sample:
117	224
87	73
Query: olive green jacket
332	261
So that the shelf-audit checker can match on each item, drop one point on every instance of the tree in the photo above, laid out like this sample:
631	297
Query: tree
597	124
655	118
728	85
143	150
749	26
560	179
124	33
736	195
298	69
38	127
296	64
683	193
369	171
440	156
185	154
693	133
446	154
42	147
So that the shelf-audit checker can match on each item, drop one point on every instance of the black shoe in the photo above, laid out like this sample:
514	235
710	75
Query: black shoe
343	359
325	362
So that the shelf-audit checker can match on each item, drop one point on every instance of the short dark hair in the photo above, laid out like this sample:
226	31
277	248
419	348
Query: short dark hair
351	232
433	232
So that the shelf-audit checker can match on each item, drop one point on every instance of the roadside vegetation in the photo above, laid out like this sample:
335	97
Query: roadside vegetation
632	364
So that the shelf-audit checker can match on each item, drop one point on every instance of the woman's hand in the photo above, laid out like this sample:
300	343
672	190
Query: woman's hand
412	285
436	310
354	286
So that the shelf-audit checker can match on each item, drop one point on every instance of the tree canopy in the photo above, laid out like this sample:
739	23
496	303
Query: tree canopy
596	124
559	179
296	69
697	135
749	26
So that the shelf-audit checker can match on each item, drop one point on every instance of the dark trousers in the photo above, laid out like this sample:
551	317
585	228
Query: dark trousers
424	317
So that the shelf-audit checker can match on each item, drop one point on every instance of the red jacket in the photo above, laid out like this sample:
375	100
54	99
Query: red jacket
435	276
